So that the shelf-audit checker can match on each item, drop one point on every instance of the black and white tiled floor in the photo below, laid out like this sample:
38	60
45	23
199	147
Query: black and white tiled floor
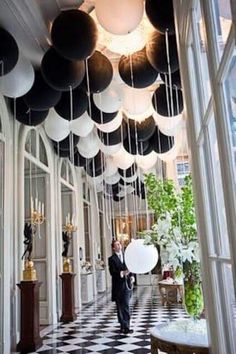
96	329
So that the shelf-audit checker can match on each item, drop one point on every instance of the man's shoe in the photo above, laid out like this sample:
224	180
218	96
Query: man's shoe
128	331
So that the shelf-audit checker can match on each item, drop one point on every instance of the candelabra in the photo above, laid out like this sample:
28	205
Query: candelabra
37	212
68	228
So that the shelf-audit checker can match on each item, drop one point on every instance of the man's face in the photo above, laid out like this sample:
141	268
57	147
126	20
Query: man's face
117	247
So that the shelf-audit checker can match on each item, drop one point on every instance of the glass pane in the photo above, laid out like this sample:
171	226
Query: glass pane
230	91
211	235
220	205
223	21
40	267
30	144
0	125
63	170
203	55
87	231
39	242
230	303
71	181
194	88
42	152
1	190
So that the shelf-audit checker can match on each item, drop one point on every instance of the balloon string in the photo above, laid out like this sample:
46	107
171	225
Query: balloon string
169	70
71	142
88	88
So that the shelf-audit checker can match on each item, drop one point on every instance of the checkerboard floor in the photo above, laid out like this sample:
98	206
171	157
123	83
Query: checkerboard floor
96	329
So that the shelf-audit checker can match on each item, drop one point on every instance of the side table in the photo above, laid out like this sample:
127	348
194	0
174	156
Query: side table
167	290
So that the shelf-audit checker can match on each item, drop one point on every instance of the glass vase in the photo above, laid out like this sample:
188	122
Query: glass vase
193	298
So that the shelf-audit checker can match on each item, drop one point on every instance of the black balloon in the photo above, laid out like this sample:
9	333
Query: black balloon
95	167
79	160
134	147
63	153
129	171
156	52
161	143
41	96
66	143
61	73
163	105
9	52
25	115
175	79
79	104
117	199
74	34
114	137
136	71
141	131
100	73
99	116
161	15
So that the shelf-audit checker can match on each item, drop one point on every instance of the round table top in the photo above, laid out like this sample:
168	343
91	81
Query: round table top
183	332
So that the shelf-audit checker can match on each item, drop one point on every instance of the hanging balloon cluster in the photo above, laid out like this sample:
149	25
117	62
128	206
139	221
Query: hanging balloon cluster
106	119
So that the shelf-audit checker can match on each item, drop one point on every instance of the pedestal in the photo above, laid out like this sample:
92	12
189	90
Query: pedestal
86	288
101	280
30	339
68	302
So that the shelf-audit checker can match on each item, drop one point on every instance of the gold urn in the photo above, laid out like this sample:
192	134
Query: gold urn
67	266
29	273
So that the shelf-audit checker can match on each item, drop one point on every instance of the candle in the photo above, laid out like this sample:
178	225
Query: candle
31	204
42	208
68	218
39	210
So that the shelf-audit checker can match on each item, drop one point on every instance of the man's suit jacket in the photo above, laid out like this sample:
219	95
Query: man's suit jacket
118	283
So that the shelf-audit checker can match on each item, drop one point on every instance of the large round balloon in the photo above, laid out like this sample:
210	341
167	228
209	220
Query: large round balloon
157	52
79	104
18	81
128	172
120	18
89	146
136	101
135	147
174	80
63	153
79	160
136	71
82	126
114	137
146	162
100	73
25	115
9	52
70	141
161	16
110	149
61	73
166	105
97	115
123	159
74	34
112	125
56	127
141	131
41	96
140	258
110	100
161	143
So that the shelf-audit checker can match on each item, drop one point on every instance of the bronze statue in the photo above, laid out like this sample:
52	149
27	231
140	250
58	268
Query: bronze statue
66	239
28	241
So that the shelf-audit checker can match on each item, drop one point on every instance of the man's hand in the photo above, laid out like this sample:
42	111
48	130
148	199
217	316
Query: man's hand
124	273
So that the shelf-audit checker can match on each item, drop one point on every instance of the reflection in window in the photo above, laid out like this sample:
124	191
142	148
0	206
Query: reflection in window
203	54
230	90
63	170
224	242
30	144
223	21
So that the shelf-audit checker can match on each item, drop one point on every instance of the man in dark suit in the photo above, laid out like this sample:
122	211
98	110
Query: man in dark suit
121	286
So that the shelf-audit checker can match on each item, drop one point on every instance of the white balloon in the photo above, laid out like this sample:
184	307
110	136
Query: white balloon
112	125
82	126
171	154
125	191
95	181
136	101
146	162
56	127
110	149
168	125
120	16
19	80
123	159
111	167
110	100
130	179
89	146
112	179
140	258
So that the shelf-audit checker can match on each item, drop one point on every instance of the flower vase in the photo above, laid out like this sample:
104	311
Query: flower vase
193	298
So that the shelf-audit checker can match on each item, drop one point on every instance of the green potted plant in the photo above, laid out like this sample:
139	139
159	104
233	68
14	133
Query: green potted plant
176	233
